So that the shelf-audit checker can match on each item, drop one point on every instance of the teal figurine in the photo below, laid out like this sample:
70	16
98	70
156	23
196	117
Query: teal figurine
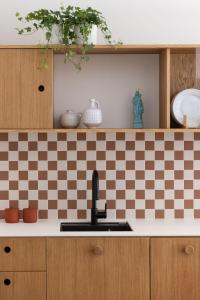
138	110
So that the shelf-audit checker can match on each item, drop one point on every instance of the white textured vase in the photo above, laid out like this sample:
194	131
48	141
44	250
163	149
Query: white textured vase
92	116
56	37
92	38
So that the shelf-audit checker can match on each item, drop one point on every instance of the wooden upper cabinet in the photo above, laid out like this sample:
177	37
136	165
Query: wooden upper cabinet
23	102
98	268
175	268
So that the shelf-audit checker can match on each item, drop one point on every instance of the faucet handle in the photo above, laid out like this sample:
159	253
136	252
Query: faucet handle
102	214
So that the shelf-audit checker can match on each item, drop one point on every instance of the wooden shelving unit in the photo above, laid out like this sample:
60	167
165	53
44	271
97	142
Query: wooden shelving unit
177	72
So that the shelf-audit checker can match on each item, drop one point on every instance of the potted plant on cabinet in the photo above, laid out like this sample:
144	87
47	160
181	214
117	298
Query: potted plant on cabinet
69	26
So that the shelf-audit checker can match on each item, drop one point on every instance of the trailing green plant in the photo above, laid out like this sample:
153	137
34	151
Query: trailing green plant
73	23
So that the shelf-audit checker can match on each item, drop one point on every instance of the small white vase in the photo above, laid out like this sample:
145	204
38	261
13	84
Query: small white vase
70	119
92	38
92	116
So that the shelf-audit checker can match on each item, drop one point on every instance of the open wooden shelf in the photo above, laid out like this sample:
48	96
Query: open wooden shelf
112	49
106	130
177	65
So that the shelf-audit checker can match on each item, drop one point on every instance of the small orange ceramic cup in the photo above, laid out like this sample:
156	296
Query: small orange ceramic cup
30	215
11	215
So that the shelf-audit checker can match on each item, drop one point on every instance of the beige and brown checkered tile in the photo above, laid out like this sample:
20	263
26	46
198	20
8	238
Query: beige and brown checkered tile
142	175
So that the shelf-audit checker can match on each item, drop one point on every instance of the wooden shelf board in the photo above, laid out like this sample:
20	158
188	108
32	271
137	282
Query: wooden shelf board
121	49
106	130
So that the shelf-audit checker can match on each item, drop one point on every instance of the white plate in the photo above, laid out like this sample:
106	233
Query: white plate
187	103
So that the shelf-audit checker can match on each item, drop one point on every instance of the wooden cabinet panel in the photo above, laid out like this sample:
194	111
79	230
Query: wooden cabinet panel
36	106
23	285
98	268
22	254
22	105
164	105
10	93
126	268
175	268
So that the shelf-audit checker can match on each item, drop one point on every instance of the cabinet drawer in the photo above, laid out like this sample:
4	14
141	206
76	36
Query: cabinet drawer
22	254
23	285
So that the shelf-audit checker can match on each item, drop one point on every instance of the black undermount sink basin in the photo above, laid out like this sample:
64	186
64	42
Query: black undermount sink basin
98	227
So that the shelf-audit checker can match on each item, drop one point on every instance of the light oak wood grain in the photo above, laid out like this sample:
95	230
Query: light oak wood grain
105	130
120	271
23	286
10	88
125	48
36	107
175	268
164	104
27	254
22	105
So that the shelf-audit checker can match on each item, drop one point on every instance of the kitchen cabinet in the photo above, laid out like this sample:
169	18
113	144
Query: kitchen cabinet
23	268
22	254
26	99
98	268
175	268
23	285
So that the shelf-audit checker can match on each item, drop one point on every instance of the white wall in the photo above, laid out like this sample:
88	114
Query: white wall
133	21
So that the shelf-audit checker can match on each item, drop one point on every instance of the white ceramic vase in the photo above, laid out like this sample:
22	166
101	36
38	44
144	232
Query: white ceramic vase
92	39
92	116
70	119
56	37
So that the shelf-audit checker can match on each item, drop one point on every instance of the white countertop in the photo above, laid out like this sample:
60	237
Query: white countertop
47	228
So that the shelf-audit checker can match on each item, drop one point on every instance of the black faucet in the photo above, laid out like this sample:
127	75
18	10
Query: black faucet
95	213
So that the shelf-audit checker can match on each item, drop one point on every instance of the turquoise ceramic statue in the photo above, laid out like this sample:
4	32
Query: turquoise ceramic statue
138	110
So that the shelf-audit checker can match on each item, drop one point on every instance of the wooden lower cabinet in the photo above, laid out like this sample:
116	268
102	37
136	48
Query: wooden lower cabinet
23	285
98	268
175	268
22	254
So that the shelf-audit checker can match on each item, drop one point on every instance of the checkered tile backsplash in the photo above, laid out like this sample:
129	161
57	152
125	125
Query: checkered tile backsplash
142	175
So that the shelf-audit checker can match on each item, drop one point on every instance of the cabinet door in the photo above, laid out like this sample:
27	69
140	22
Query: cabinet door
23	102
23	286
22	254
98	268
175	268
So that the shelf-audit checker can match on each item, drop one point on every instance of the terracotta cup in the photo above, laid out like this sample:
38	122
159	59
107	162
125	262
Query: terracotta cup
11	215
30	215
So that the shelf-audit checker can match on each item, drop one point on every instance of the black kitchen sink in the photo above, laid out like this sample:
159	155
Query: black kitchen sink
98	227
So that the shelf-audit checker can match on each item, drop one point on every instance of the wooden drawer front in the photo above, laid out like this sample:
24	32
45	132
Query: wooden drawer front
175	268
23	285
22	254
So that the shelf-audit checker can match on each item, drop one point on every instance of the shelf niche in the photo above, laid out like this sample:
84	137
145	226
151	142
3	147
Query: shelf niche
112	79
184	73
